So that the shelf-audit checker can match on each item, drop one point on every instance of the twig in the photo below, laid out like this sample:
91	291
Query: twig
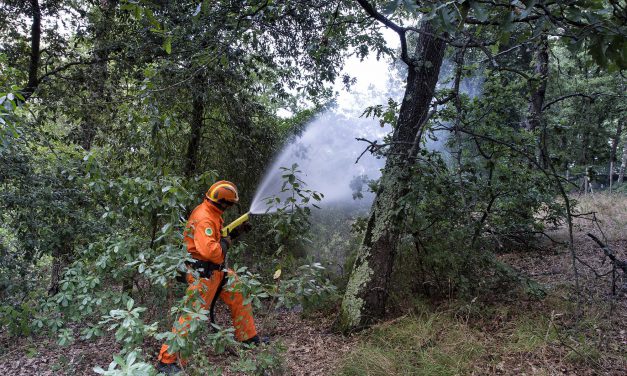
589	267
375	146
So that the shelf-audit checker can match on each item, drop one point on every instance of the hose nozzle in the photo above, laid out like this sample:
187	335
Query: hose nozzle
226	230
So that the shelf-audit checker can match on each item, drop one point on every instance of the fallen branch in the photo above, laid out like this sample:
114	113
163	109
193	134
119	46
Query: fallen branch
608	252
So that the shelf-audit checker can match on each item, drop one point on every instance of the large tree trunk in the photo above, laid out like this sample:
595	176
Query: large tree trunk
35	34
537	89
367	291
623	165
615	141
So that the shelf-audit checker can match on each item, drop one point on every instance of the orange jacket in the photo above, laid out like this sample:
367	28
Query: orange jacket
202	233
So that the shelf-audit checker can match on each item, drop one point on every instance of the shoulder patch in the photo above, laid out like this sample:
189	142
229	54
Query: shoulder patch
208	231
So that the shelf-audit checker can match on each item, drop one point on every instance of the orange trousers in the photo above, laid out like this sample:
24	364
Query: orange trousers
241	314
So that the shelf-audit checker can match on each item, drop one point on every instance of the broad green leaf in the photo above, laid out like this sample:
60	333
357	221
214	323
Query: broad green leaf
480	12
390	7
167	45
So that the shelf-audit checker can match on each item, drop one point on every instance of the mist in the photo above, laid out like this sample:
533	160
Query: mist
327	150
326	153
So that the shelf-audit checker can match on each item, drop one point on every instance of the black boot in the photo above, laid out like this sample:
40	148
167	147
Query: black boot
256	340
168	368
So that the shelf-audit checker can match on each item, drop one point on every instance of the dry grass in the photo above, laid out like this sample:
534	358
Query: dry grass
609	209
532	338
428	344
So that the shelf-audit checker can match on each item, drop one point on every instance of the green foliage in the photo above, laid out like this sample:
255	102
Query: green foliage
132	365
17	319
290	225
140	106
248	285
184	335
130	329
599	25
387	115
9	97
307	287
451	236
266	360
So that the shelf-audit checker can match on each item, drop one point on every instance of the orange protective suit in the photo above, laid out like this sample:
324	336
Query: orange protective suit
202	237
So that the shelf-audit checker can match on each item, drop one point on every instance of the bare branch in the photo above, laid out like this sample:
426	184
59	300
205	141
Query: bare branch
609	253
401	31
371	147
592	98
375	146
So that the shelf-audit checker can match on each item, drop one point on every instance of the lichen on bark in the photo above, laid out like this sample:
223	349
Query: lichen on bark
361	279
352	304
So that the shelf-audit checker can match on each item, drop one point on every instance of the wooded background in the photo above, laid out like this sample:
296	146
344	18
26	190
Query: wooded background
115	117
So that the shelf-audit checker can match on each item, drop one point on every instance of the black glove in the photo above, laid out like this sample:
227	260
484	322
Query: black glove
225	244
181	277
240	230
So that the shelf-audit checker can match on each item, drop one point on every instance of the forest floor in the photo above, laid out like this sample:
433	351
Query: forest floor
550	336
569	331
307	346
585	338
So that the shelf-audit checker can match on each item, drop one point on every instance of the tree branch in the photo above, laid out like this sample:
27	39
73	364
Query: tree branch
608	252
66	66
592	98
401	31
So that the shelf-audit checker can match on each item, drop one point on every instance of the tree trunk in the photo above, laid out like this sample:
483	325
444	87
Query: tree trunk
537	89
367	290
33	68
55	276
615	141
623	165
196	125
60	256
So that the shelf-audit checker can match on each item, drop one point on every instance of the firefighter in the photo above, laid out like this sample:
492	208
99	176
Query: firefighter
208	248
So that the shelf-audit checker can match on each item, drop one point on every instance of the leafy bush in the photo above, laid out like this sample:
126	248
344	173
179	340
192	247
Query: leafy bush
130	329
132	365
291	208
267	360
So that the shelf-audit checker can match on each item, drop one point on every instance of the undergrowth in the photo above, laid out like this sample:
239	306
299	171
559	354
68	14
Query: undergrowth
488	339
427	344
